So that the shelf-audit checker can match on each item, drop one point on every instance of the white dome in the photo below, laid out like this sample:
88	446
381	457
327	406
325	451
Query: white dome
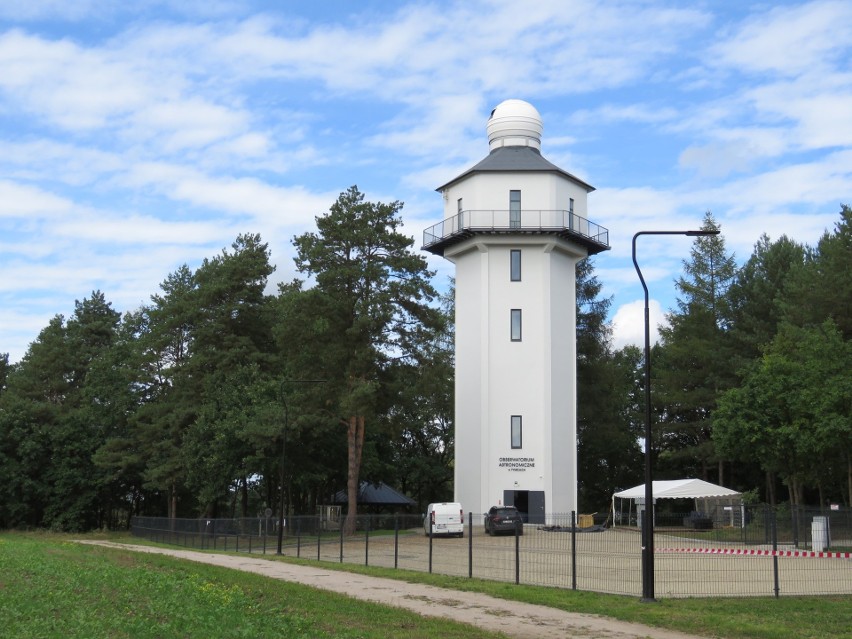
514	123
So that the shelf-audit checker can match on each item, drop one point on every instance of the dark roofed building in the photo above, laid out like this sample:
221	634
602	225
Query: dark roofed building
374	494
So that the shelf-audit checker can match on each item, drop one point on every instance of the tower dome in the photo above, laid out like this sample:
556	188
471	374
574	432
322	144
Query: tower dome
514	123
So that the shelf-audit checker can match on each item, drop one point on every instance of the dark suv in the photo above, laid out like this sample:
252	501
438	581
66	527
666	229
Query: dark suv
503	519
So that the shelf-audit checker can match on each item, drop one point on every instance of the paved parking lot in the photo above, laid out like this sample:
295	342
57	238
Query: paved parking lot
608	561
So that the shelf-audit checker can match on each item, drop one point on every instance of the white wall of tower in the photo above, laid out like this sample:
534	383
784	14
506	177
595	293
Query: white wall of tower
539	192
497	377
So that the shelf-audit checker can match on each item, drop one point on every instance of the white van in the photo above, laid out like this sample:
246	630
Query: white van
446	518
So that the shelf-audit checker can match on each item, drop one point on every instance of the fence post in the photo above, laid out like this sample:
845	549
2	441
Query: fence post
299	537
794	513
518	526
396	541
775	554
319	539
470	545
430	548
573	550
367	541
767	524
341	544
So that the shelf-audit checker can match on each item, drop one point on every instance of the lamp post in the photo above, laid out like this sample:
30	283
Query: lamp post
648	513
282	509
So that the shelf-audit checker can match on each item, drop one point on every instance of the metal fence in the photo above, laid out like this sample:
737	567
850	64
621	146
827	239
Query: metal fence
768	553
523	221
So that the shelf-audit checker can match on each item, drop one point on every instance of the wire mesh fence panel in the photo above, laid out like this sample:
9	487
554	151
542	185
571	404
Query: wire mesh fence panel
493	557
804	575
380	549
617	573
682	575
343	547
765	552
413	553
610	561
546	557
449	555
545	568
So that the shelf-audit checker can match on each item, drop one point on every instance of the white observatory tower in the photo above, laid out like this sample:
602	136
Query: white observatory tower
515	226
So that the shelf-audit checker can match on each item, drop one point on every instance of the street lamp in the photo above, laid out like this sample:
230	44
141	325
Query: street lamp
648	513
281	509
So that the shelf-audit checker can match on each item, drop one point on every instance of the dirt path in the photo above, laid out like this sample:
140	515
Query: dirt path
513	619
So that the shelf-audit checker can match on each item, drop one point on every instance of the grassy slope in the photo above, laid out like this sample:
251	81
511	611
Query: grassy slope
53	588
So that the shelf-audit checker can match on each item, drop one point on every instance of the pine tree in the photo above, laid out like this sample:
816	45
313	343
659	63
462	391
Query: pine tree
375	293
757	295
608	453
822	289
694	361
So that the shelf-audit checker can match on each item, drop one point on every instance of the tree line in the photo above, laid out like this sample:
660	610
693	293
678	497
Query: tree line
219	399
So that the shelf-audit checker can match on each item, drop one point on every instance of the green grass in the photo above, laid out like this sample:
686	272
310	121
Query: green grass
83	591
51	587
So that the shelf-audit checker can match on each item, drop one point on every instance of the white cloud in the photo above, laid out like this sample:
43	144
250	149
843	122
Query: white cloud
787	89
188	123
430	128
738	149
56	162
24	201
637	113
256	200
789	40
628	323
72	87
820	108
134	138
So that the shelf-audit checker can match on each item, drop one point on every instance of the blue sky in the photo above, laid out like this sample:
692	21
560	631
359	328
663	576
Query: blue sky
136	137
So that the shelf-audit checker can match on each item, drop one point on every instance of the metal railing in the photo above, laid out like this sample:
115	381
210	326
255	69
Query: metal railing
771	552
556	221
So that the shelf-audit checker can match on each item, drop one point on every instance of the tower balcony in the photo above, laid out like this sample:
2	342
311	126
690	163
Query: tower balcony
564	224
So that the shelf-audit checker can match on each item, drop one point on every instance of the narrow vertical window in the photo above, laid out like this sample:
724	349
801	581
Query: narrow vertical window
517	432
571	213
459	213
514	209
515	268
516	325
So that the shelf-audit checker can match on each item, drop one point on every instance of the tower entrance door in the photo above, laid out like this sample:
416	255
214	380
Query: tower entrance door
530	503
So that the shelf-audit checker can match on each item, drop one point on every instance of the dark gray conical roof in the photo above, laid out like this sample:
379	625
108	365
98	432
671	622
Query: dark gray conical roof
516	159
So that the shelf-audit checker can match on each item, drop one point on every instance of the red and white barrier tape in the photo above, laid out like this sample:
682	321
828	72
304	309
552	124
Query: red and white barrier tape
756	553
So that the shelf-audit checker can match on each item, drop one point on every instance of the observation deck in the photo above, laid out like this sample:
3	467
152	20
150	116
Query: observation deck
563	224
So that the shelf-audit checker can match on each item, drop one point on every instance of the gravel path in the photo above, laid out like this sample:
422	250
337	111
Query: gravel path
513	619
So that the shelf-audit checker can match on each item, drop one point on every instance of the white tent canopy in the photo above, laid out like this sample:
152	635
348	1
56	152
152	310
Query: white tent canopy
678	489
695	489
